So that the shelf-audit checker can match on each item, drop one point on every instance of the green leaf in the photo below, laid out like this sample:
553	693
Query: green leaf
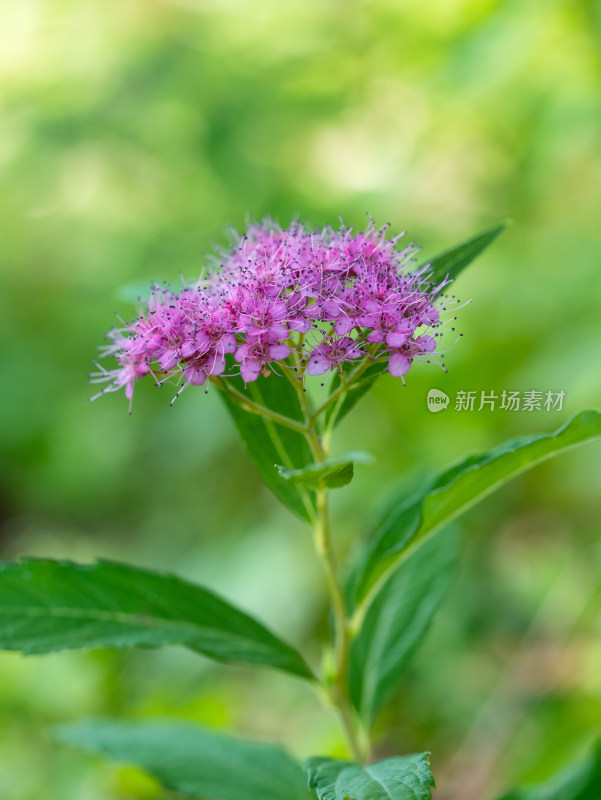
409	524
396	623
268	443
195	761
361	386
451	262
577	782
398	778
330	474
57	605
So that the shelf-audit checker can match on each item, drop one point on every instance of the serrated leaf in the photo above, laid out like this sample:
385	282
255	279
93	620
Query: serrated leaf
396	623
58	605
331	474
269	443
398	778
453	261
580	781
408	524
195	761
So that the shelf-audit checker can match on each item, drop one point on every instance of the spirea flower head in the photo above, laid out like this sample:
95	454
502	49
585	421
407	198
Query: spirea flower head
312	301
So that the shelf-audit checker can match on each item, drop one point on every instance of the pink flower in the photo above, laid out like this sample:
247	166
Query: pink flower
201	368
329	355
256	355
354	295
264	318
402	355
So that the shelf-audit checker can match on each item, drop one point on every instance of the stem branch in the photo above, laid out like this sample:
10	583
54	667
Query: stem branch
256	408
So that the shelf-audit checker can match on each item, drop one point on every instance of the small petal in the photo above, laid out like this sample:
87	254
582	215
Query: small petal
427	343
318	365
242	352
189	348
398	365
217	364
168	360
195	375
227	343
279	351
344	325
395	340
250	371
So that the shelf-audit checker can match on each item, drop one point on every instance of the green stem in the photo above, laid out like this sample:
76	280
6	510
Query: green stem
346	384
337	684
337	687
256	408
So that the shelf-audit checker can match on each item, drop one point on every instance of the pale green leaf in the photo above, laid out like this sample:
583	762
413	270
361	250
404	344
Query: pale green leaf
330	474
408	524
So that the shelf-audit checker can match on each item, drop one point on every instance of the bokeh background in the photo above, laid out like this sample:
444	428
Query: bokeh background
131	134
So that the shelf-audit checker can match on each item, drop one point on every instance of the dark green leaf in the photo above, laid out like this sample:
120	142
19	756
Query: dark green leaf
58	605
195	761
330	474
408	524
577	782
453	261
398	778
397	621
269	443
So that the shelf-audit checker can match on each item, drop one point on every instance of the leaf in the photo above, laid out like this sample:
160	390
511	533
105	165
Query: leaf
355	392
269	443
397	621
331	474
398	778
58	605
408	524
192	760
451	262
577	782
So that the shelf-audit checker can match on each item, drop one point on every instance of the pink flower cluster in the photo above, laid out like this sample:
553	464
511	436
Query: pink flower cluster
312	300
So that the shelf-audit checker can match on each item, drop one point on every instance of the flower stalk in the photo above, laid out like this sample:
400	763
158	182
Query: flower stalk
335	682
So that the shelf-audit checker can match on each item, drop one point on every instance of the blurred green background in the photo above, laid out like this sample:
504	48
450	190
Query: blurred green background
131	133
